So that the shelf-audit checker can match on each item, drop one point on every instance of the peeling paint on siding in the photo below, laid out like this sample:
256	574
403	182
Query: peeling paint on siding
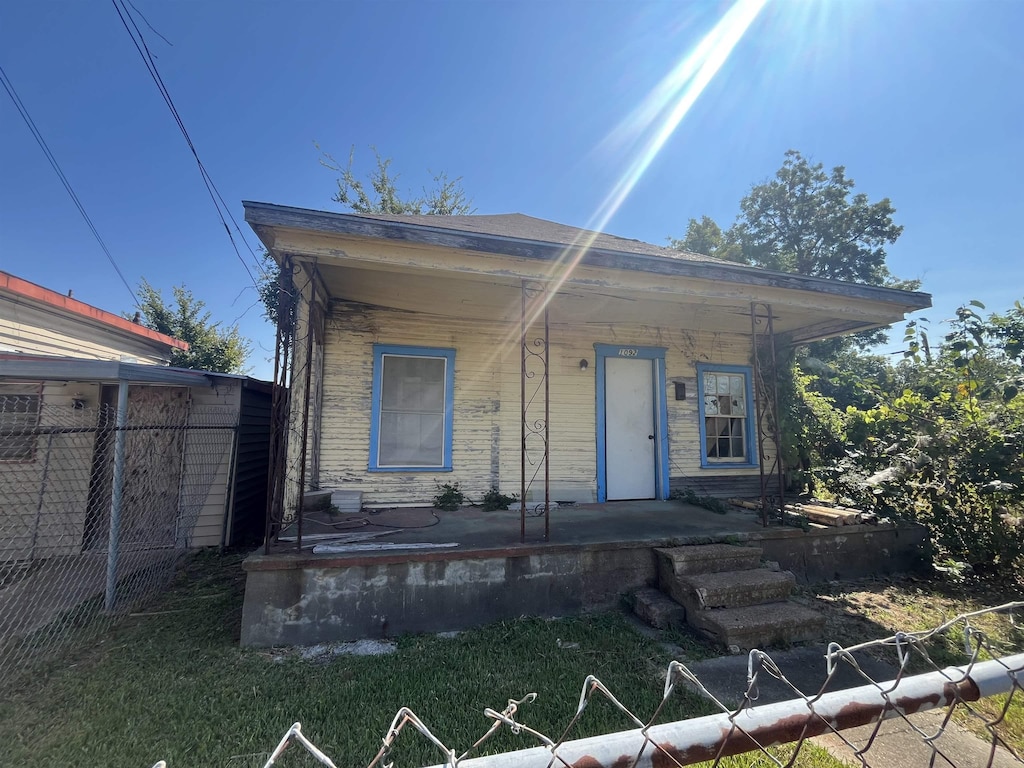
486	437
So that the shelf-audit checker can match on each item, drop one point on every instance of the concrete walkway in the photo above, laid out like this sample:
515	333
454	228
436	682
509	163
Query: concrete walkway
896	744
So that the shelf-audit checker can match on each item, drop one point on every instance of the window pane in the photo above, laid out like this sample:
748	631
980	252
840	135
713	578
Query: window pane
17	412
723	384
411	439
736	385
413	384
711	405
711	440
710	383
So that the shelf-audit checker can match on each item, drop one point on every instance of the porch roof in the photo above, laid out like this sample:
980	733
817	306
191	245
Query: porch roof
32	368
413	262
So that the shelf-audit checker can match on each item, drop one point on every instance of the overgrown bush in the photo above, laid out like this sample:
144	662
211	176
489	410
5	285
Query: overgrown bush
948	450
495	499
932	461
449	497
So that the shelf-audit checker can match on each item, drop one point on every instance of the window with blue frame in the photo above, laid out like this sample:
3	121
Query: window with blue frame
411	427
725	397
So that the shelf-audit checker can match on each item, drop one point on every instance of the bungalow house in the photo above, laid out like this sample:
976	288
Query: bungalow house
509	352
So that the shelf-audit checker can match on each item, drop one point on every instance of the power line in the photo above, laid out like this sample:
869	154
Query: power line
215	196
151	27
19	105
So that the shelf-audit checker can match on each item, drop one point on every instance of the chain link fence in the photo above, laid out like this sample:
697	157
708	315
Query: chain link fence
964	715
96	511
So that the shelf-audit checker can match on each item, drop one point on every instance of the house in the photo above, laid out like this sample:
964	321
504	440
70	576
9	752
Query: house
589	375
62	363
112	463
494	350
37	321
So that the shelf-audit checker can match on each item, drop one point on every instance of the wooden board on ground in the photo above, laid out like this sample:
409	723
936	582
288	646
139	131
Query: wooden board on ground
824	515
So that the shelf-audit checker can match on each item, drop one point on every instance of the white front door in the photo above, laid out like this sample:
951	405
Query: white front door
630	428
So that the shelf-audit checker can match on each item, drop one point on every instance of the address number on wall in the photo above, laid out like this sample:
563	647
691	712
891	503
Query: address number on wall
627	352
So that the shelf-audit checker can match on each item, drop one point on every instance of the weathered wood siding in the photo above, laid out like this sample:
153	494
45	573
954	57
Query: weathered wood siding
486	428
34	330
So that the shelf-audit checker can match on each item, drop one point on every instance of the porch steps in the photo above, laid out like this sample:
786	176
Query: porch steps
729	598
654	607
730	589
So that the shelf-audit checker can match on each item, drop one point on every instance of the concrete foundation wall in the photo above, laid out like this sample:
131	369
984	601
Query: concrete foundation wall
315	601
306	599
849	552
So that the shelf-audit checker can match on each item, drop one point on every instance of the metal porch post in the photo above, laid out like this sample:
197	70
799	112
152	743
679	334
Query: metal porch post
538	428
114	535
767	405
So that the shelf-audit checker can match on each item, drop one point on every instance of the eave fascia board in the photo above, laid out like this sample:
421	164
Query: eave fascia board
263	217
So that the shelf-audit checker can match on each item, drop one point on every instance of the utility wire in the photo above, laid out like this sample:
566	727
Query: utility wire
215	196
9	87
151	27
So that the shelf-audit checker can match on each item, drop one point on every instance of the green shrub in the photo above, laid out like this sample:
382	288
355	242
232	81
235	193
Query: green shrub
449	497
494	500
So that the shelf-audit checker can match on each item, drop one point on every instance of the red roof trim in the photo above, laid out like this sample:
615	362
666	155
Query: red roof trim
27	290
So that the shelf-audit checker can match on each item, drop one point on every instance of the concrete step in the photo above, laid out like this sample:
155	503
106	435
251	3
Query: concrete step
760	626
657	609
734	589
705	558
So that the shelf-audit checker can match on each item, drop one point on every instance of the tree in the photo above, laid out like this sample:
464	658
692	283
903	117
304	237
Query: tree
211	347
705	236
805	221
445	198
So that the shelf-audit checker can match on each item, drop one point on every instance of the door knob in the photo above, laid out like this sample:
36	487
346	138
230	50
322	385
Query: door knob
650	437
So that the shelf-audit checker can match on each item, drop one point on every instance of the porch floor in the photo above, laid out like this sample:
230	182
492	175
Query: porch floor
472	529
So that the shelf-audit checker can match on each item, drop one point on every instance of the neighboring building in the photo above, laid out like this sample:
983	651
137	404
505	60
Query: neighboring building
37	321
196	442
410	330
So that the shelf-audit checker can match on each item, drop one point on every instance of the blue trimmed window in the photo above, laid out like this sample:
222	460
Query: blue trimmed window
726	401
413	395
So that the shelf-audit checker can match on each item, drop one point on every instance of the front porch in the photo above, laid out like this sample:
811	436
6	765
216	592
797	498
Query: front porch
596	553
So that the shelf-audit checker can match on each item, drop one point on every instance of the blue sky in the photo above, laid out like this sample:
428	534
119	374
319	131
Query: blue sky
921	101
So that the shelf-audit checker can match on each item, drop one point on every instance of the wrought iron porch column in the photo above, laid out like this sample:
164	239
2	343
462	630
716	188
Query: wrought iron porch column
766	394
533	362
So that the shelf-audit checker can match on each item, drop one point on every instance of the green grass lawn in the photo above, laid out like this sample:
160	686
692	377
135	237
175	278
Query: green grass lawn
172	684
